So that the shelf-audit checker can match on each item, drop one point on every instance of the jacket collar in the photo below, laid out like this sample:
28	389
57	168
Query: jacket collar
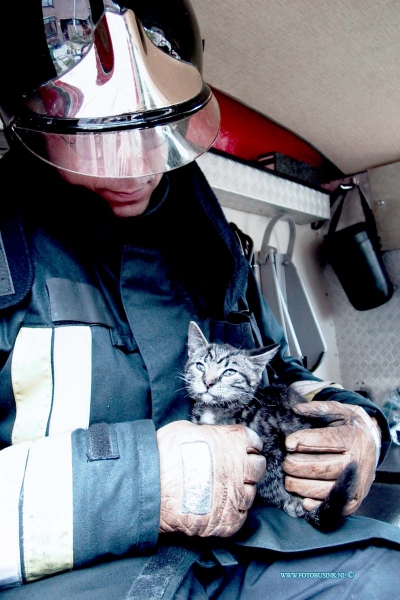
184	216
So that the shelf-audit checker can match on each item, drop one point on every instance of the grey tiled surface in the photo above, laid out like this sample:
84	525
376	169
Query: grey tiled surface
368	341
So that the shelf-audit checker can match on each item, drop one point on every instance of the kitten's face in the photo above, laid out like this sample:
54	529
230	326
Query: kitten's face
218	374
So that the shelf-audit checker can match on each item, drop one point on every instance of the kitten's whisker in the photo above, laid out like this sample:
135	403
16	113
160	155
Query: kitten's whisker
180	389
238	352
182	374
254	397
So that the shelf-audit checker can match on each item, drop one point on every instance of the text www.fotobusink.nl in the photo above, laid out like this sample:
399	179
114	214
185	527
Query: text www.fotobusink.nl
317	575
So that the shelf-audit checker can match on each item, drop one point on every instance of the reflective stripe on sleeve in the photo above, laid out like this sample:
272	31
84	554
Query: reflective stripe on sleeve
72	379
32	383
12	469
47	514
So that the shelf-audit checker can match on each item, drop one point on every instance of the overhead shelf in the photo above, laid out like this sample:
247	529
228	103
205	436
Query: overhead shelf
255	190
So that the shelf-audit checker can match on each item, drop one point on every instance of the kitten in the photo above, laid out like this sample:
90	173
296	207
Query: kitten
223	382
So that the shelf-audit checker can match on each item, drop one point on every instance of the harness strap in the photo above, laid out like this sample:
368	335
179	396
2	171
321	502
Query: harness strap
162	574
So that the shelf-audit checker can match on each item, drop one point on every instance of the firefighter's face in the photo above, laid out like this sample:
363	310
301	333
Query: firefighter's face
129	175
127	197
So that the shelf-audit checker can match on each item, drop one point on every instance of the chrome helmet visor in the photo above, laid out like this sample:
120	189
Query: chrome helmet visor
130	152
127	98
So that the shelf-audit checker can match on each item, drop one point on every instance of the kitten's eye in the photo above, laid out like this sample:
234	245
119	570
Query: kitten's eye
200	367
229	372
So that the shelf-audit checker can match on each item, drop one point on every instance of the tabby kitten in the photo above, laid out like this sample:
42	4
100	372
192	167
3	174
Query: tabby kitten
223	382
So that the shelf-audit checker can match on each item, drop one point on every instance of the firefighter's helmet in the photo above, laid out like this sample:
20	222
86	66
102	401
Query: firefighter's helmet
104	88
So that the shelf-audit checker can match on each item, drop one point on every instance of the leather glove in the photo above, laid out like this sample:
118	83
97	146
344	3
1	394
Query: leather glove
318	456
208	475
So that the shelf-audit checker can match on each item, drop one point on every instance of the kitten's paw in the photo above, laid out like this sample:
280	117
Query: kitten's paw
294	508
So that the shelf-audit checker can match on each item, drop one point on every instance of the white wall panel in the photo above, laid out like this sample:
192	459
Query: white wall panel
306	260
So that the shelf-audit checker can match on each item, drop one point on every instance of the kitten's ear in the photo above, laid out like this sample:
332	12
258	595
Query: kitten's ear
264	355
196	339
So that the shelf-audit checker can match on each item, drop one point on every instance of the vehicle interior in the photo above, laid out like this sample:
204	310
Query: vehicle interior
318	82
309	93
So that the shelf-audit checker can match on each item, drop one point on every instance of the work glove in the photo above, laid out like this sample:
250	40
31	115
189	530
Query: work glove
208	477
316	457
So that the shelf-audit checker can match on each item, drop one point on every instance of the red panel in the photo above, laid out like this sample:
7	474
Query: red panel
246	133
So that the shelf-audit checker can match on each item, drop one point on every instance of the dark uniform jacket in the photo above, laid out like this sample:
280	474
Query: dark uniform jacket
93	331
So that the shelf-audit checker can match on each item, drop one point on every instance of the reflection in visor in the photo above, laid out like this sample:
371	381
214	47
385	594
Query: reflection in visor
125	152
128	153
69	30
144	140
70	25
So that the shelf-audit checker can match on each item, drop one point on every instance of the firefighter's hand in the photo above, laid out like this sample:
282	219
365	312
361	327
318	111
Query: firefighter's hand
316	457
208	477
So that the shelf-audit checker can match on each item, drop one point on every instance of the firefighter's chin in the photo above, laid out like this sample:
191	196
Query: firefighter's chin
127	197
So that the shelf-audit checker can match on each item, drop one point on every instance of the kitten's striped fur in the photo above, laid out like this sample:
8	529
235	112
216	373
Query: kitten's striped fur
224	383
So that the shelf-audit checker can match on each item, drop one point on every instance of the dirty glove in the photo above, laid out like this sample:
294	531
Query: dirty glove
317	456
208	475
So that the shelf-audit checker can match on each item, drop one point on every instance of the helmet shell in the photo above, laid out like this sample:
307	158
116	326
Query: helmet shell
109	89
